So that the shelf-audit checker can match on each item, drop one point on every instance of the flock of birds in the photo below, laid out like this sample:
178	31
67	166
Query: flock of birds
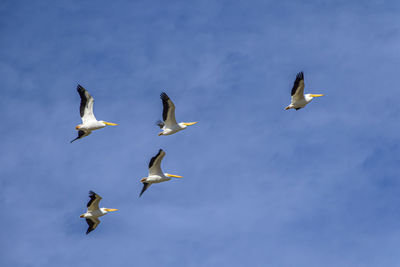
168	126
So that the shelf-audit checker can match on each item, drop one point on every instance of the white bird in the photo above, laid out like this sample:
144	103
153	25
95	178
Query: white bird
94	212
155	173
89	121
169	125
299	99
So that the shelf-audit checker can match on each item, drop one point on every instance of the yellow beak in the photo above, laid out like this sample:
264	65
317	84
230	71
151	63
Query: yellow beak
81	216
111	210
110	123
316	95
172	175
189	123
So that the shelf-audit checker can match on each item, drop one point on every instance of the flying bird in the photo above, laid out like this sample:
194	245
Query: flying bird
155	173
89	121
299	99
169	125
94	212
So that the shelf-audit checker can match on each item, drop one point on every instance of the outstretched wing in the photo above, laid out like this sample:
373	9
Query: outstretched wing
168	111
298	87
86	108
145	186
81	134
92	222
93	203
155	163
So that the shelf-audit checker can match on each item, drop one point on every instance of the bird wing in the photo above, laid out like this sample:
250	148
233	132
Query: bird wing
298	87
92	222
86	108
93	203
145	186
168	111
81	134
155	163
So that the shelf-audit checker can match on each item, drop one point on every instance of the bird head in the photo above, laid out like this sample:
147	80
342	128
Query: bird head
143	180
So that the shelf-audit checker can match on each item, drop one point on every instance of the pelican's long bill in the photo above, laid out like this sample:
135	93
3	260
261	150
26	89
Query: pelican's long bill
316	95
189	123
110	123
110	209
173	175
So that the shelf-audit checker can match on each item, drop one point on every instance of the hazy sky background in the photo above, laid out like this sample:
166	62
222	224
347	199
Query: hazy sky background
262	187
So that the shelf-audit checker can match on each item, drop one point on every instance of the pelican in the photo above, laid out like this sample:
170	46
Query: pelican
169	125
94	212
299	99
89	121
155	173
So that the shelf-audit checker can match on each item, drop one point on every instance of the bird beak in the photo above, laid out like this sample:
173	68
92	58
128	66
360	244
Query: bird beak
190	123
160	134
111	210
287	108
172	175
315	95
110	123
77	127
81	216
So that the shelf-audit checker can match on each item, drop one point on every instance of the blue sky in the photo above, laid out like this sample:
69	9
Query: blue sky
262	187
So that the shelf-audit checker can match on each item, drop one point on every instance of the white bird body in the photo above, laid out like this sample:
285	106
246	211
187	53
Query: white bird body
299	99
89	121
94	212
169	125
155	179
156	175
173	128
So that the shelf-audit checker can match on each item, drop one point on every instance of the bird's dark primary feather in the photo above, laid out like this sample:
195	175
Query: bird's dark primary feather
80	135
145	186
91	224
299	77
92	196
160	124
154	158
164	97
84	98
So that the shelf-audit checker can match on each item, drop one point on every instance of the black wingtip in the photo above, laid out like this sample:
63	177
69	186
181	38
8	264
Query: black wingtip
145	186
80	88
300	75
91	193
164	96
